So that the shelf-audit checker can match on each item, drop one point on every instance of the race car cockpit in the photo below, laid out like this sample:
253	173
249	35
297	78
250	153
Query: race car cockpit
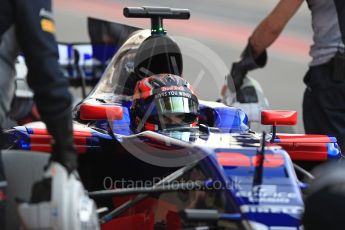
144	54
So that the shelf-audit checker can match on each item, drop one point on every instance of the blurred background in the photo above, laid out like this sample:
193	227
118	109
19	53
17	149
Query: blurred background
211	40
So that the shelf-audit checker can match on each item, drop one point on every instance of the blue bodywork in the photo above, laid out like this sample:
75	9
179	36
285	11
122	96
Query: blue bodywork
275	202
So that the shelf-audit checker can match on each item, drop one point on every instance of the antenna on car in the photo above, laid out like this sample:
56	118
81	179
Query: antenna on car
259	161
157	14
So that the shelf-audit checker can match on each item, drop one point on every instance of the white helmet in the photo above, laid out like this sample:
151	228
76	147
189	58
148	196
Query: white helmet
251	99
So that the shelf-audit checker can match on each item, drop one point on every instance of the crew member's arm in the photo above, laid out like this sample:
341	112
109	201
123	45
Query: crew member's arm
35	29
271	27
254	55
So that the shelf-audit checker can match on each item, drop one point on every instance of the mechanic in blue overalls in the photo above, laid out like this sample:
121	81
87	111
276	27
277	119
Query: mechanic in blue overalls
324	97
32	24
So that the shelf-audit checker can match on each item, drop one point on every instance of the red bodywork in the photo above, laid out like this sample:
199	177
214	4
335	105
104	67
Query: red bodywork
304	147
40	140
299	147
100	112
278	117
145	215
241	160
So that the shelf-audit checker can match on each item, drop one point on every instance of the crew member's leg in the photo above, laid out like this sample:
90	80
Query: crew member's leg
8	54
324	104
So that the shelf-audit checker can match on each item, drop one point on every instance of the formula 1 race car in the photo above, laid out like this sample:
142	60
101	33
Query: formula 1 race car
214	172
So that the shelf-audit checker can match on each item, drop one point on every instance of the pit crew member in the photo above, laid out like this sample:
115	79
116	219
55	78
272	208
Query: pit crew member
324	97
58	196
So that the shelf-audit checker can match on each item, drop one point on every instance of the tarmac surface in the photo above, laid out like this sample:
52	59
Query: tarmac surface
211	40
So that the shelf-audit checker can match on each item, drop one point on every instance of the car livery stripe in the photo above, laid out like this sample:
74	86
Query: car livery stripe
38	131
228	159
40	140
81	149
285	209
303	138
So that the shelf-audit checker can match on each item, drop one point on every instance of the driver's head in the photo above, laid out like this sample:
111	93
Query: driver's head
163	101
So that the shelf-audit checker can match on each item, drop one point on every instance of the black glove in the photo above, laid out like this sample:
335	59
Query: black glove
61	128
240	69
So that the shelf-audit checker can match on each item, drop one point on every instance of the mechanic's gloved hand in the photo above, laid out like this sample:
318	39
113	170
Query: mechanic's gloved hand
63	150
240	69
59	201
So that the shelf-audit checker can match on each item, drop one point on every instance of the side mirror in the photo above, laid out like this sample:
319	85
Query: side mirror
90	111
278	117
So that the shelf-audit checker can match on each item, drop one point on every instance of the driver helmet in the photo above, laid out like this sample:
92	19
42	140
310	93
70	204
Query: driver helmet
163	101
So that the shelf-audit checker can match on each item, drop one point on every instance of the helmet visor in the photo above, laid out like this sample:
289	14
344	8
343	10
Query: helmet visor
176	105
